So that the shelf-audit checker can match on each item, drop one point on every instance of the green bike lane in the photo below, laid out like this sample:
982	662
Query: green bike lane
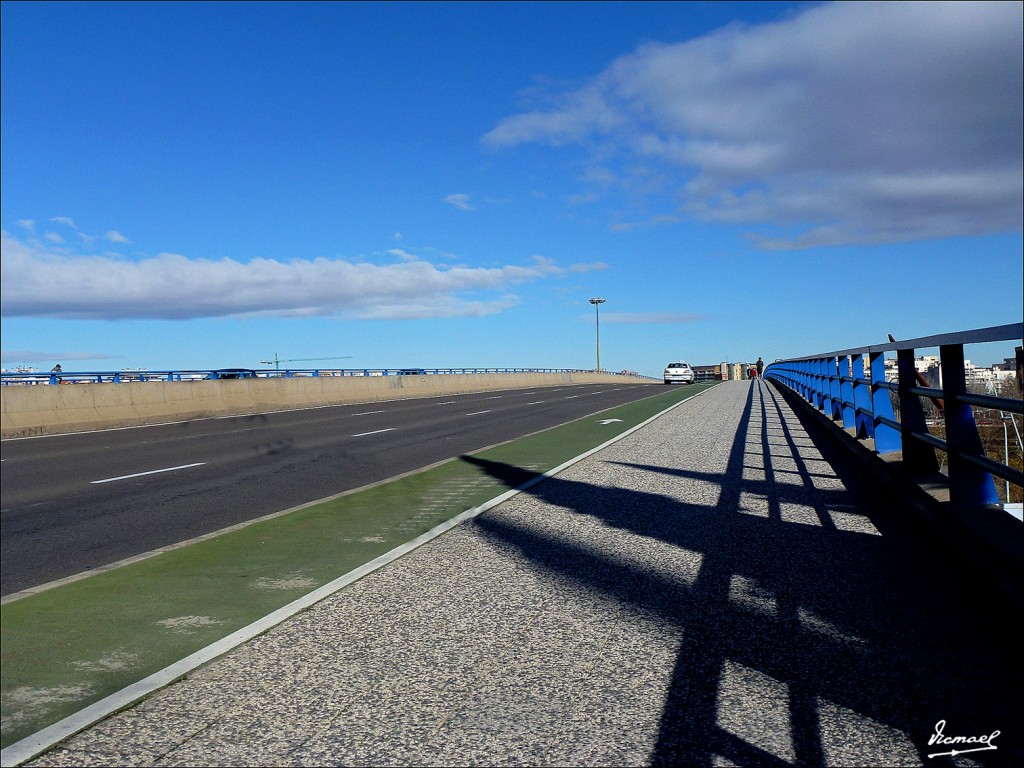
73	645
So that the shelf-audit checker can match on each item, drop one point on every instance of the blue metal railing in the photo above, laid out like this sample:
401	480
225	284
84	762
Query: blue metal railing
8	378
845	390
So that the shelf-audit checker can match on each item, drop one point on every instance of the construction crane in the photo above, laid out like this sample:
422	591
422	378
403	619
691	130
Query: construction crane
277	361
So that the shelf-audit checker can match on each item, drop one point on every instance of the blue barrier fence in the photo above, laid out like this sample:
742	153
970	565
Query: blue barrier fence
99	377
849	386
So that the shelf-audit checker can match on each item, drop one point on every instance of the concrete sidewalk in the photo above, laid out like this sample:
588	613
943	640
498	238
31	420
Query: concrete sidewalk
708	590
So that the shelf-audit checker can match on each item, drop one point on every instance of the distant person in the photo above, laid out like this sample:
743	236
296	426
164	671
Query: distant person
760	367
56	369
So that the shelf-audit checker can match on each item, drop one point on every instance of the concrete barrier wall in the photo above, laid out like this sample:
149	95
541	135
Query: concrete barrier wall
45	409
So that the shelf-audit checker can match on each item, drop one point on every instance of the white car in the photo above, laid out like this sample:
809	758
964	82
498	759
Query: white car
679	373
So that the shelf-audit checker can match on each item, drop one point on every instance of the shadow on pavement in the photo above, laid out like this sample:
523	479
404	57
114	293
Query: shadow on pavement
814	609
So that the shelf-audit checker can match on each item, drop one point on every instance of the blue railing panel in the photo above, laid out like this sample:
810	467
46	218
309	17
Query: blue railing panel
863	419
846	393
887	437
975	486
835	388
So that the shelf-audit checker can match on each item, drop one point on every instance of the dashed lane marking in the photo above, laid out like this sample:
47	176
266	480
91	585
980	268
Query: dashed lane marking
150	472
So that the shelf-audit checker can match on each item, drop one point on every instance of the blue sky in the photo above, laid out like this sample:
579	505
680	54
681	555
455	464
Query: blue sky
204	185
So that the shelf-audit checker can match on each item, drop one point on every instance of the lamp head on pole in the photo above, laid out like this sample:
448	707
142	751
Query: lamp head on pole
597	301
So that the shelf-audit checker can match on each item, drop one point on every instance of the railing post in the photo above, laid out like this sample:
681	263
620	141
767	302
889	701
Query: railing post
918	457
846	393
835	387
826	387
863	421
969	485
887	439
820	384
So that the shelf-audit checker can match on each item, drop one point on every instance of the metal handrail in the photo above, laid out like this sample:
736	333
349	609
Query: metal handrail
861	403
14	378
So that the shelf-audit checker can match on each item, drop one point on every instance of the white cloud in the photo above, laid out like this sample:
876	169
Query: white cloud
591	267
848	123
53	237
36	280
65	221
460	201
116	237
27	224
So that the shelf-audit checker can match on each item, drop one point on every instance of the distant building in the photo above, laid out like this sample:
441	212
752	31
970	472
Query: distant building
707	373
928	366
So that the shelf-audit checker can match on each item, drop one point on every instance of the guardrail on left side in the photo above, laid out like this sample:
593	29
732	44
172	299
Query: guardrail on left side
10	378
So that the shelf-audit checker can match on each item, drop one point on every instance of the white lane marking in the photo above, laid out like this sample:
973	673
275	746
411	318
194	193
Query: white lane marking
367	413
150	472
448	402
493	397
570	397
477	413
536	402
375	432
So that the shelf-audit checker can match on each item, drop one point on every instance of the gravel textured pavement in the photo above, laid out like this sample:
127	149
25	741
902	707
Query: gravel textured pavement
709	590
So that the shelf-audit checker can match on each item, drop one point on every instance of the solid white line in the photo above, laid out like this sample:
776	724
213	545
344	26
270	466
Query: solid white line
477	413
493	397
367	413
38	742
150	472
375	432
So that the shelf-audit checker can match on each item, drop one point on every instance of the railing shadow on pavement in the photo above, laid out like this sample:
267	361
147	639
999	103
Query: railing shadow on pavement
857	628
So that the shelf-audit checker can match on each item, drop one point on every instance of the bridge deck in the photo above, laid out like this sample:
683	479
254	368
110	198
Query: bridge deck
709	590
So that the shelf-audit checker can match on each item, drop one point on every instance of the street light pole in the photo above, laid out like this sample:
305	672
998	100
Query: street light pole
597	316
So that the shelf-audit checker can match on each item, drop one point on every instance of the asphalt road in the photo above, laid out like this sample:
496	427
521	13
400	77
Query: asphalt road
75	502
